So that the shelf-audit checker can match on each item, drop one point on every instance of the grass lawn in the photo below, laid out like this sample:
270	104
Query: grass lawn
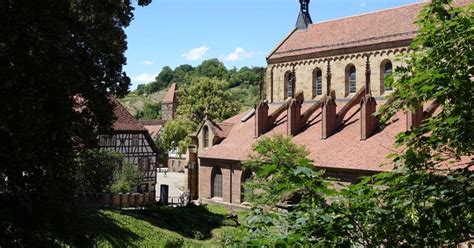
161	226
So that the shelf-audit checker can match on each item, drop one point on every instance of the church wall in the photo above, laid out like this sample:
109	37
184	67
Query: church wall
231	179
304	73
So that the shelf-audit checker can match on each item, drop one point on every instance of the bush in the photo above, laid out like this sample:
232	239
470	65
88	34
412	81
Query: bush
95	170
127	178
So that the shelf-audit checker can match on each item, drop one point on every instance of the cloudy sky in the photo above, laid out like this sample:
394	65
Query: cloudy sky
238	32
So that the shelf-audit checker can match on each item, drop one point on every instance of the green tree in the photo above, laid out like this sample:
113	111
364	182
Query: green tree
212	68
181	72
200	97
165	77
206	97
140	89
127	178
151	111
153	87
96	169
285	178
246	75
53	55
432	191
176	134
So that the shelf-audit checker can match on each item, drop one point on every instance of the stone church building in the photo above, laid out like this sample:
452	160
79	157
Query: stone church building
324	82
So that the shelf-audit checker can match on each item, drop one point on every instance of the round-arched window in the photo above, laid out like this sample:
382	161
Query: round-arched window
352	79
216	183
317	82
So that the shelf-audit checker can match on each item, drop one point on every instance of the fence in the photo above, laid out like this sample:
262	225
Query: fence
103	200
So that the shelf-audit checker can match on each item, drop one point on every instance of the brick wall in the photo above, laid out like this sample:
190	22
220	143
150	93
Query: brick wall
231	179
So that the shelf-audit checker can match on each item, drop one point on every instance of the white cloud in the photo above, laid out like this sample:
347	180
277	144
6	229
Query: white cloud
238	54
196	53
362	4
144	78
148	62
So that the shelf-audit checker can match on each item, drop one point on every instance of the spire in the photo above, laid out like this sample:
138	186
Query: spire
304	19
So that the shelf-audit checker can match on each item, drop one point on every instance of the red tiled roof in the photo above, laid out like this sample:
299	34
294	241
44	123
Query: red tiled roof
153	126
124	120
343	150
170	96
153	130
396	24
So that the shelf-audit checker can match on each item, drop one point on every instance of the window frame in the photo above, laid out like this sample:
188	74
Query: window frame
352	79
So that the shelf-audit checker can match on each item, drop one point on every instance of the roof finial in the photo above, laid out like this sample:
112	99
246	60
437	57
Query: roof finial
304	19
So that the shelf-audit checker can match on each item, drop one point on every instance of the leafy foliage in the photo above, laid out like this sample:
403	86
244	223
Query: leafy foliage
285	179
201	97
52	55
176	134
95	170
127	178
206	97
151	111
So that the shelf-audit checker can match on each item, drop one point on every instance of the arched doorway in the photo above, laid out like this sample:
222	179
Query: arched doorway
216	183
246	176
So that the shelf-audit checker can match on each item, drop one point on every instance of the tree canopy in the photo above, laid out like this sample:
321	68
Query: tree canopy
60	60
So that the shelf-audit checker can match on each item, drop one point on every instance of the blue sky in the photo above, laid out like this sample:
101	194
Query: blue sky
238	32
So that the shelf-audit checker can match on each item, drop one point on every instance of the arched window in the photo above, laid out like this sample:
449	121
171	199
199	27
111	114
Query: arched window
216	183
289	85
386	69
317	82
205	133
246	176
352	81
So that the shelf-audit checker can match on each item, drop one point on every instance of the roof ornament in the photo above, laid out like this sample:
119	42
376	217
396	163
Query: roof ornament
304	19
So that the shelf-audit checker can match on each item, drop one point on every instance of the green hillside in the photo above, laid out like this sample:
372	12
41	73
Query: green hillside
134	103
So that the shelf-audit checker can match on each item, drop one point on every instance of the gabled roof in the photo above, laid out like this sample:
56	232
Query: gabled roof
390	25
124	120
220	130
171	96
367	29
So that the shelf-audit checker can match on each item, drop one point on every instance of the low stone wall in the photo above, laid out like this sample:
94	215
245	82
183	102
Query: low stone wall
130	200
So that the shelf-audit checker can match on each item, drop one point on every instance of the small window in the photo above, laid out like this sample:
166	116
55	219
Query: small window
352	80
205	131
135	139
107	140
387	71
318	83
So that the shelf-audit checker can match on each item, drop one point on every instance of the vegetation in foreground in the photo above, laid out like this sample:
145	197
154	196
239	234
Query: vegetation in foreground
194	226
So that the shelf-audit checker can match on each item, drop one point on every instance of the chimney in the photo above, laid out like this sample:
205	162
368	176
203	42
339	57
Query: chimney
294	114
261	118
414	118
329	115
304	19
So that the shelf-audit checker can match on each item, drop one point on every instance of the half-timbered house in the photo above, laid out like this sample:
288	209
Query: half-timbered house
132	139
